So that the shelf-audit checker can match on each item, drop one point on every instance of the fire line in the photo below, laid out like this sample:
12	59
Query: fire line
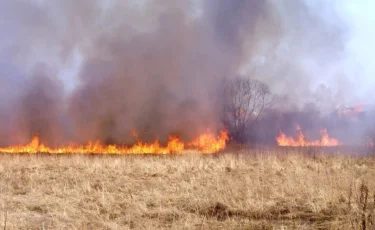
204	143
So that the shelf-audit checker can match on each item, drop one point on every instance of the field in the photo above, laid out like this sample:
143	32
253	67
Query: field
263	190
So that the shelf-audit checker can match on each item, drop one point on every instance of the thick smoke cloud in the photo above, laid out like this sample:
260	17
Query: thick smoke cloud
39	110
152	66
162	81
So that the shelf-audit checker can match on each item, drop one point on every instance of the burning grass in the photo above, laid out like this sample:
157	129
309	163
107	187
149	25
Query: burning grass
204	143
301	139
259	190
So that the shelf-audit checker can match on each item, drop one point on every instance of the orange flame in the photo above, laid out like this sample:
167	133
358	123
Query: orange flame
205	143
208	143
301	140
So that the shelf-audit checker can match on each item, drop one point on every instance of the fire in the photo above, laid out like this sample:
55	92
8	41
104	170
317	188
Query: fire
208	143
301	140
205	143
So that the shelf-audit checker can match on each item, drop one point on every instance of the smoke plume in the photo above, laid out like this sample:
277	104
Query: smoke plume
153	66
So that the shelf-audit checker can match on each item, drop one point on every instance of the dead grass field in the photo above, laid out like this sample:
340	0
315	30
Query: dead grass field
261	191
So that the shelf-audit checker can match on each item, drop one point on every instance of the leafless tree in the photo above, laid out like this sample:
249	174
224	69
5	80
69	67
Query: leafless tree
244	101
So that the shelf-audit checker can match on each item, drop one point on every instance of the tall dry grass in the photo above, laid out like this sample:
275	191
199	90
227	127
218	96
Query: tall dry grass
262	191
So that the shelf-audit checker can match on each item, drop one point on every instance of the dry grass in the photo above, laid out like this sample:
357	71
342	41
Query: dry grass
186	192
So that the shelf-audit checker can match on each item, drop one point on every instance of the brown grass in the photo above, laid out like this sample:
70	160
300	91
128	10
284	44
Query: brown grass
187	192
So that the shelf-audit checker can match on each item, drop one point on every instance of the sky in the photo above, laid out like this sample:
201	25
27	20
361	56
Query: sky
360	17
361	20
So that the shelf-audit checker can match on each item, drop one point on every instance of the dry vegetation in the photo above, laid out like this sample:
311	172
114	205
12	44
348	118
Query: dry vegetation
262	191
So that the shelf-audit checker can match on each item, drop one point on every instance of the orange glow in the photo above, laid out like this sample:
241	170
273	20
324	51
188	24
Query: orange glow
358	108
352	111
205	143
370	143
301	140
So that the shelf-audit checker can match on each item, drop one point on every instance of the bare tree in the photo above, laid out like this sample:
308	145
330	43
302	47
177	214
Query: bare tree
244	101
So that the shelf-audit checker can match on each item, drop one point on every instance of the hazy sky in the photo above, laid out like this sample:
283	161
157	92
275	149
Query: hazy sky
361	20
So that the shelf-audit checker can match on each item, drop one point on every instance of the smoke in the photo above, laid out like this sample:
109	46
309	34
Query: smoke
39	110
153	66
309	51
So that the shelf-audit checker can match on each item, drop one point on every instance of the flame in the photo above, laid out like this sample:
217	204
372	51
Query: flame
208	143
301	140
205	143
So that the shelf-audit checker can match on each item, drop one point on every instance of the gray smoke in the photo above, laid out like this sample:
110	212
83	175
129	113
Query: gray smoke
309	53
153	66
